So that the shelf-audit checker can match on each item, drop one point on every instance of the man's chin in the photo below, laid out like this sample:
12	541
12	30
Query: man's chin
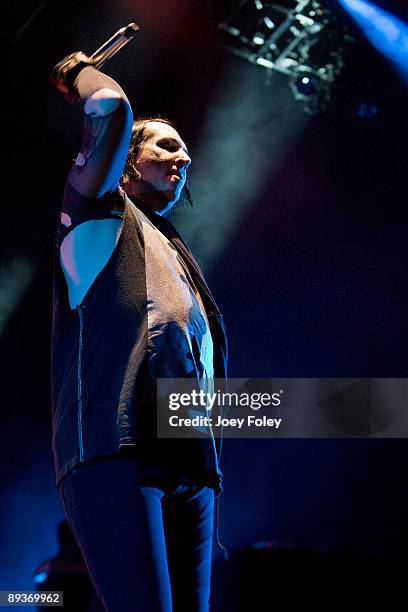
160	200
170	195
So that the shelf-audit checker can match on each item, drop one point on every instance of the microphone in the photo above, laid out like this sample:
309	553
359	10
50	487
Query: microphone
66	71
114	44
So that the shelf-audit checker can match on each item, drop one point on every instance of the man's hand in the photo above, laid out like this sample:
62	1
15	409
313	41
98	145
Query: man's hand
65	72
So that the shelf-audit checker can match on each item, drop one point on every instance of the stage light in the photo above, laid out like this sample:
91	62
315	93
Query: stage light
258	39
285	40
306	86
261	61
269	23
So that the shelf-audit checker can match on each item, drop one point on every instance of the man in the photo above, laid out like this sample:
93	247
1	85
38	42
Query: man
130	306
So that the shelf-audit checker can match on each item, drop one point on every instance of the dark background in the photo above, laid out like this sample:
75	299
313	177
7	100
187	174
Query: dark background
311	279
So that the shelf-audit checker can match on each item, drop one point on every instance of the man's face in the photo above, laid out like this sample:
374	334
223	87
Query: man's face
163	160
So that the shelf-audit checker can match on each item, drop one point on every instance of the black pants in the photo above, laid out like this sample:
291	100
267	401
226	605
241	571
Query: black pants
145	538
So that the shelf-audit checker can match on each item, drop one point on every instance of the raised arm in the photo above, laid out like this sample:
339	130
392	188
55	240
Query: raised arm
108	125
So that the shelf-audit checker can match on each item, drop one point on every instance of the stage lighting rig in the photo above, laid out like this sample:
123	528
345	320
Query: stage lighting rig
304	41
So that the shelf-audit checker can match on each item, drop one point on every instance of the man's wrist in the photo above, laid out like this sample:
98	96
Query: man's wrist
65	73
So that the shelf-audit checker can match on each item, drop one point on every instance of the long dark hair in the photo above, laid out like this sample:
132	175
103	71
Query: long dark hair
139	136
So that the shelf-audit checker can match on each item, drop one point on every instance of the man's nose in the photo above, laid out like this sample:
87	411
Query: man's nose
183	160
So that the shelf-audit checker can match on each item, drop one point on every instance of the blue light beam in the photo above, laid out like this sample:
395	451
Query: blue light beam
248	131
387	33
